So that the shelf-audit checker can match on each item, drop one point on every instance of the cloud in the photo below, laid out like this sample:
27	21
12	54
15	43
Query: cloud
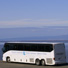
32	23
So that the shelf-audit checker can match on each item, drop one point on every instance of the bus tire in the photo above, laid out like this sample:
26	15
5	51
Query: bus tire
43	62
8	59
37	62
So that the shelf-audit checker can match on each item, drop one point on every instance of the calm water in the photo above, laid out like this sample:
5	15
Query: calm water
2	44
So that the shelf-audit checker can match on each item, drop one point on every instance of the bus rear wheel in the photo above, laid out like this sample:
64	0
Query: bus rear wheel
8	59
37	62
43	62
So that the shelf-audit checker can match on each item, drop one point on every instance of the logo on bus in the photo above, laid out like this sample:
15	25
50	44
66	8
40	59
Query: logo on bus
23	52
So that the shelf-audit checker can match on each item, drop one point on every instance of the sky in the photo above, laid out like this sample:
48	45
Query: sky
33	13
33	18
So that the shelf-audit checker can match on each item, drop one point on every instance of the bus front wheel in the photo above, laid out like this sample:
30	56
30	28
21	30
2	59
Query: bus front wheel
8	59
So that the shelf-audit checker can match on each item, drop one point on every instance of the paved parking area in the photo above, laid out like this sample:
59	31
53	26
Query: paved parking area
21	65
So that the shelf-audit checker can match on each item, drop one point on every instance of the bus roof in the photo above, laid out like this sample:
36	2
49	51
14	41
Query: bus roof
37	42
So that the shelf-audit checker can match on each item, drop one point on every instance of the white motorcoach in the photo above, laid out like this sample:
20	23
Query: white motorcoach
34	52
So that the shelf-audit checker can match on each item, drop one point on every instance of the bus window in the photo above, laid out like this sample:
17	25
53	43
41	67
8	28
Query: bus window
40	47
48	48
27	47
20	46
33	47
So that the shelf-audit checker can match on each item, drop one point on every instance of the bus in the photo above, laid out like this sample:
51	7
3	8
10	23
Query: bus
39	53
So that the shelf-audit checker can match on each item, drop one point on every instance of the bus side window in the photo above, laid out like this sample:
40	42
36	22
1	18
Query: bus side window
48	48
15	47
40	47
33	47
20	46
27	47
51	48
9	47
